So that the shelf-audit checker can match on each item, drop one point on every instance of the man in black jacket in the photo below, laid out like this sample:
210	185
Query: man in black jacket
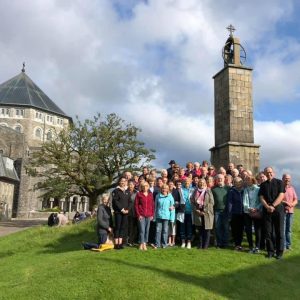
271	196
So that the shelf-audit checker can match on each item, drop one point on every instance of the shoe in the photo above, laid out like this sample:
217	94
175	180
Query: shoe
189	246
183	245
270	255
255	250
279	256
238	248
116	247
121	247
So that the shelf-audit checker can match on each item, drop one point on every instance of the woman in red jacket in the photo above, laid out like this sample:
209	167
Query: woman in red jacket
144	208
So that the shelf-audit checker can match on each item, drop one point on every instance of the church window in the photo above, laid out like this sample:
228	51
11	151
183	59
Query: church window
47	118
20	112
49	136
38	133
36	115
7	111
51	119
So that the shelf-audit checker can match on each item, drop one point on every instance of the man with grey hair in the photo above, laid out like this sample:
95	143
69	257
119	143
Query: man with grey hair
271	195
290	201
220	192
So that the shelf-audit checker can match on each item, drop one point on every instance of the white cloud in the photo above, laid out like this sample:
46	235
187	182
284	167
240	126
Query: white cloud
155	68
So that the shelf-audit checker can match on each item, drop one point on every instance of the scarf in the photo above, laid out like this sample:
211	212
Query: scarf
200	196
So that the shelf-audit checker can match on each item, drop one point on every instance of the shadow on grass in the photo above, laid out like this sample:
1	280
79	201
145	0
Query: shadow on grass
70	239
6	254
271	279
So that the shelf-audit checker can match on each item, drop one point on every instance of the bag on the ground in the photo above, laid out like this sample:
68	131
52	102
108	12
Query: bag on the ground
103	247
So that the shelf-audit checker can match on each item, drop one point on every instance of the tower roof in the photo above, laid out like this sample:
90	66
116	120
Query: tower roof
22	91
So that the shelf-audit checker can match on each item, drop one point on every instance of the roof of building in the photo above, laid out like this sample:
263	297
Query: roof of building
7	169
22	91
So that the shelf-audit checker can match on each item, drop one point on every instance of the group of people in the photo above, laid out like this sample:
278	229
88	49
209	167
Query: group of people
185	204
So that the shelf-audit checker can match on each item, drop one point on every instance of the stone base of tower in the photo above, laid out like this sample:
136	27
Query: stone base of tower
246	154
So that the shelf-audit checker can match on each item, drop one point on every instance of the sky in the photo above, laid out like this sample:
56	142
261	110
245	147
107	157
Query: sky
152	62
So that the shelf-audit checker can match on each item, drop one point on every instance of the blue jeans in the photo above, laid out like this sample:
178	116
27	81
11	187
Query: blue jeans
162	227
144	225
186	228
288	222
221	229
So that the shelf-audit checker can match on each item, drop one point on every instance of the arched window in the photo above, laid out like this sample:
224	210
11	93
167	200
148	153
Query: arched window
49	135
38	133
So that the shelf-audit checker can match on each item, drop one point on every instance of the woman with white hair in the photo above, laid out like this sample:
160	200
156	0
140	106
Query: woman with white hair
235	209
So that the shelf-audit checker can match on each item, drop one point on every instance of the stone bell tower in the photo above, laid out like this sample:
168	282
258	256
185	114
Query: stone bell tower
234	138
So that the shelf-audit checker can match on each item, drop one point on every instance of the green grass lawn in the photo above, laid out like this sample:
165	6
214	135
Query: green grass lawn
48	263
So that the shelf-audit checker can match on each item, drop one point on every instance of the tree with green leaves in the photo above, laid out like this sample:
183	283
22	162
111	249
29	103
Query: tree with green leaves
88	158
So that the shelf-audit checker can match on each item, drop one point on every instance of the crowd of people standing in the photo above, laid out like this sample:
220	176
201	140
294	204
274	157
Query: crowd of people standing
185	205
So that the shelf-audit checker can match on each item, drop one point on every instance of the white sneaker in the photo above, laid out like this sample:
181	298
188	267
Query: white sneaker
183	245
189	246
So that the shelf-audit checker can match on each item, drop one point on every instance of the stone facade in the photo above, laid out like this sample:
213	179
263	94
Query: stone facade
6	199
234	137
24	127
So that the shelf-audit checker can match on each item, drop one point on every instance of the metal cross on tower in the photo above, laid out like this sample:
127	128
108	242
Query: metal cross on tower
231	29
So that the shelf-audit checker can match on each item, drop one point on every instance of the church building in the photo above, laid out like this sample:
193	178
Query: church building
28	118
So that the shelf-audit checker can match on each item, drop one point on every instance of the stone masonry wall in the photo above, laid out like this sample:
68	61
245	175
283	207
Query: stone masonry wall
247	155
19	146
233	105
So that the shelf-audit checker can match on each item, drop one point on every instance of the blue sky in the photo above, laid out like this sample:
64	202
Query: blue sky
152	62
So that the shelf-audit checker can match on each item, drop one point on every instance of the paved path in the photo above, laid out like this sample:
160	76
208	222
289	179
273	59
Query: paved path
8	227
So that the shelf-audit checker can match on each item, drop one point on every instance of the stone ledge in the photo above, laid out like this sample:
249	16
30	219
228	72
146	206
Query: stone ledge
237	144
232	66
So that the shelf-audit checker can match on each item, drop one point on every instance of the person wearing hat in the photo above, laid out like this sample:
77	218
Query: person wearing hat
172	163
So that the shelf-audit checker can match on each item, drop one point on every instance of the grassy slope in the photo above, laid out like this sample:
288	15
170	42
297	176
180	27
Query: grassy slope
48	263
